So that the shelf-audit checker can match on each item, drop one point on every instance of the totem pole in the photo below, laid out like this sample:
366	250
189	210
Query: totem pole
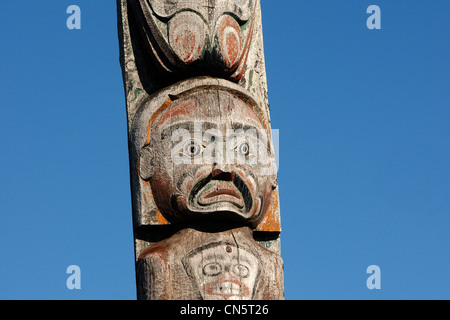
203	175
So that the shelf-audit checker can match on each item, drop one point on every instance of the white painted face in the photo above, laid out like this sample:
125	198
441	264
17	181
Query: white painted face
221	271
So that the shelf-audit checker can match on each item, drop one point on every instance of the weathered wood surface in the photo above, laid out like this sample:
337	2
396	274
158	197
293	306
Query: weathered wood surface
204	187
193	265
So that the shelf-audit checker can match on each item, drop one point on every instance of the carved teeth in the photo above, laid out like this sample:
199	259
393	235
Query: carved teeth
227	288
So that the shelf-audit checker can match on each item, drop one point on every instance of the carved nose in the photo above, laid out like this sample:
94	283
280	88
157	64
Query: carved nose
219	174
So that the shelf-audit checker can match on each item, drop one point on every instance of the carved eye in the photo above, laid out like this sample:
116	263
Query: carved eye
244	149
192	148
241	271
212	269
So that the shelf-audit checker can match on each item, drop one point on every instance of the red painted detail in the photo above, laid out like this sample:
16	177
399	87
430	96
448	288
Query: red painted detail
158	250
187	36
176	111
185	42
230	40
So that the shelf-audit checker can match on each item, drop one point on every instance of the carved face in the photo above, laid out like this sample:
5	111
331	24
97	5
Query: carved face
209	157
223	271
195	34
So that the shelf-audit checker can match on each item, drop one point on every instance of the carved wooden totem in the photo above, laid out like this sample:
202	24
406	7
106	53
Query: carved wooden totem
204	188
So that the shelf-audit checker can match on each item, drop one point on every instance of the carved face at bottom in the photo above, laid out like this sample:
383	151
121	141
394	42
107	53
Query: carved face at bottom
210	158
223	271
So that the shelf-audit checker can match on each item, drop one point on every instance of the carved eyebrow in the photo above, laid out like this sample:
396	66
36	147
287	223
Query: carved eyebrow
213	257
243	126
258	132
190	125
187	125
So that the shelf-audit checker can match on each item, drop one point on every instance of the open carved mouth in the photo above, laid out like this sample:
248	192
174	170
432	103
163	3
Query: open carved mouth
228	289
215	191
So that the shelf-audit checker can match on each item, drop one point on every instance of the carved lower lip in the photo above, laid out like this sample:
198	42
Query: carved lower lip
220	191
235	194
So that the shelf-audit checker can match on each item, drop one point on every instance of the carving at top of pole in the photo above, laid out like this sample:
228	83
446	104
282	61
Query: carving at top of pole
198	37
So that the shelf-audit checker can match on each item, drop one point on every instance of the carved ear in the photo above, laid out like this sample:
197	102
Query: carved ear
275	182
146	163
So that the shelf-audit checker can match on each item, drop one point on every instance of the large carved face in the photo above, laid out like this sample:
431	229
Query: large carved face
195	34
209	157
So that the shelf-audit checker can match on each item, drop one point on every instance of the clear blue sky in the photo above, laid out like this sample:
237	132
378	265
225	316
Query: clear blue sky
364	155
